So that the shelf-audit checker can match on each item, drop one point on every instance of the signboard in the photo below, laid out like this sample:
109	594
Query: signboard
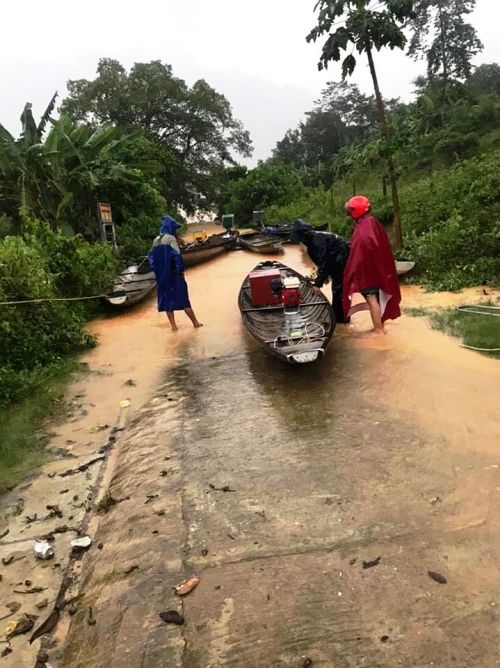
104	212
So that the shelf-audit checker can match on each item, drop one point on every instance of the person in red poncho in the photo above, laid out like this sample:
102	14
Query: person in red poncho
371	269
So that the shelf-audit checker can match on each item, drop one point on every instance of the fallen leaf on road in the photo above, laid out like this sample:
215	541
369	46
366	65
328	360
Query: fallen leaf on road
437	577
187	586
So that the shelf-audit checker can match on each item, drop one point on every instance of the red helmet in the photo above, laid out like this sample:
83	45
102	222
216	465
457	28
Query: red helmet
358	206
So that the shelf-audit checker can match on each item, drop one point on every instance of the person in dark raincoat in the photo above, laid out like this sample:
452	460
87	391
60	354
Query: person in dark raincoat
371	269
166	261
330	253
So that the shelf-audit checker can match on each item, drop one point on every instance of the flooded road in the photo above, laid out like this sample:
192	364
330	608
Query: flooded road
386	448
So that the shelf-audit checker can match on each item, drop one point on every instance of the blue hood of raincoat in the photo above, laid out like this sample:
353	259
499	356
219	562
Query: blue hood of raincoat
169	226
299	227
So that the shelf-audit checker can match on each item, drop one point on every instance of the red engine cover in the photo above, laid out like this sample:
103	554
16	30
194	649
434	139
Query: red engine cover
260	287
290	296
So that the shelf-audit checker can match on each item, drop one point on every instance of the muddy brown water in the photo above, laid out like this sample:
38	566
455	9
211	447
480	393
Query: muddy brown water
387	448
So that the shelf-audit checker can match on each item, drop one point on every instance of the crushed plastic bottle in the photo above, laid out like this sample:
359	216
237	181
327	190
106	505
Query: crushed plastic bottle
43	550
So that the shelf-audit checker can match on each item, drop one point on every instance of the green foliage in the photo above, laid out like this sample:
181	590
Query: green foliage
21	444
442	36
259	188
318	206
362	26
45	264
194	125
474	330
58	179
451	219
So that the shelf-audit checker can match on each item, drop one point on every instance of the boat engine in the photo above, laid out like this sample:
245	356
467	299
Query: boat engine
290	293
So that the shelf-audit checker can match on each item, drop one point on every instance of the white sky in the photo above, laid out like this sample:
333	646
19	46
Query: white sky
253	52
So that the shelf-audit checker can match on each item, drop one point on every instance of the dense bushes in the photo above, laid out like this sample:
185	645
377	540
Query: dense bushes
45	264
451	220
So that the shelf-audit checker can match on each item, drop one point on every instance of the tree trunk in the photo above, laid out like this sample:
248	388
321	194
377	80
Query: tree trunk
442	35
384	127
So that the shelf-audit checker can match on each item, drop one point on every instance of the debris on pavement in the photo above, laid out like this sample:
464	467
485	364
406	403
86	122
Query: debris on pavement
187	586
90	619
131	569
204	552
172	617
42	604
2	535
125	403
81	543
151	497
102	427
130	382
226	488
371	564
43	550
6	561
48	625
82	467
20	626
33	590
353	561
437	577
307	663
435	500
5	652
384	638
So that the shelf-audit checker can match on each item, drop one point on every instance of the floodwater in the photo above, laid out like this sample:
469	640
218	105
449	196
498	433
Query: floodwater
386	448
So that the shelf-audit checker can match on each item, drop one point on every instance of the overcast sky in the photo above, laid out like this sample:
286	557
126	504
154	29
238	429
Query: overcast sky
253	52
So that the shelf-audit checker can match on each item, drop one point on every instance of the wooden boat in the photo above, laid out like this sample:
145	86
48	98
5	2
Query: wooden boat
132	285
404	266
297	335
259	242
216	244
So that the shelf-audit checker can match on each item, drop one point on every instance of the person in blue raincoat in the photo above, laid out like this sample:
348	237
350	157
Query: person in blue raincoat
166	261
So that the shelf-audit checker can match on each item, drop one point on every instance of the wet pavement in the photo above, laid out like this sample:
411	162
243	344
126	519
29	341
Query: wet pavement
386	448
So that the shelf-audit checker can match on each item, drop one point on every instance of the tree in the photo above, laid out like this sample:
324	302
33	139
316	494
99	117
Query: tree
56	178
365	29
260	188
485	79
442	36
195	126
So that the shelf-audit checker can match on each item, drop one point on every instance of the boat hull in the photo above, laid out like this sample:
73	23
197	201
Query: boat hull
131	286
261	243
268	325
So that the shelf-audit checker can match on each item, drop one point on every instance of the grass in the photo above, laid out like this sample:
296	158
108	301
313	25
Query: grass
474	330
22	445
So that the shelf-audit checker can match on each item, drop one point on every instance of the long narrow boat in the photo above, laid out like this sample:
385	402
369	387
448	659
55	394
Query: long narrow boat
215	245
297	335
132	285
259	242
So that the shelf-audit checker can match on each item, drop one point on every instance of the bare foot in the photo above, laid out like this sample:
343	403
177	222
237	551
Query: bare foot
175	328
372	333
197	324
